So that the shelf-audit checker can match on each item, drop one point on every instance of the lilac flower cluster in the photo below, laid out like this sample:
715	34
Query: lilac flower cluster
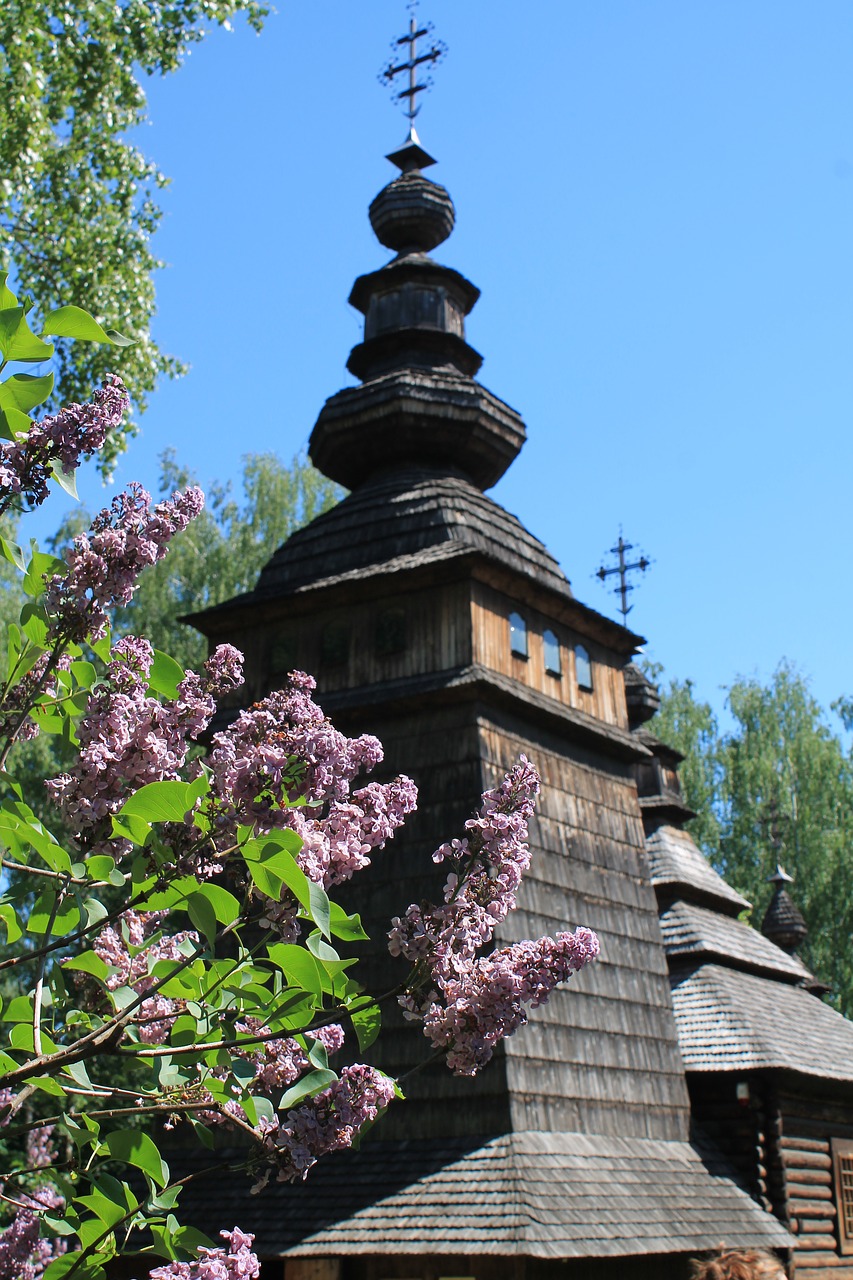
35	685
467	1004
281	1061
24	1255
128	739
488	1002
284	750
61	441
104	564
132	954
327	1122
488	865
236	1262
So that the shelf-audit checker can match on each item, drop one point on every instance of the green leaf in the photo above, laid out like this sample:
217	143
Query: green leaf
13	423
136	1148
17	340
108	1212
298	966
13	553
88	1270
25	391
34	624
7	297
313	1083
88	962
344	926
156	802
165	675
48	1085
66	480
366	1023
10	920
40	564
74	322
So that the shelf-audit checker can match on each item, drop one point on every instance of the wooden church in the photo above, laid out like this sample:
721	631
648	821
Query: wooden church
690	1088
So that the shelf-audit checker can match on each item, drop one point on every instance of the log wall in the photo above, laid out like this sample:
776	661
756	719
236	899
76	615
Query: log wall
780	1145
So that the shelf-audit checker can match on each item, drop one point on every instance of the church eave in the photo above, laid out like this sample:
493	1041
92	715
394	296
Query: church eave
478	683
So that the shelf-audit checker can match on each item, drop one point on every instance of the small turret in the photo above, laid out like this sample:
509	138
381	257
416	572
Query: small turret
783	922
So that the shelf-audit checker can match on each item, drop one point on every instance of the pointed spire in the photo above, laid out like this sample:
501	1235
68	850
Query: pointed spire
783	922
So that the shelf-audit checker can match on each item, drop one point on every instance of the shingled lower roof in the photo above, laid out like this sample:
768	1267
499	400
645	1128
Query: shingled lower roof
541	1195
676	863
731	1021
693	932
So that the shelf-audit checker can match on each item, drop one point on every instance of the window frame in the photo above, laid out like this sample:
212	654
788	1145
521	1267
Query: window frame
584	686
842	1150
523	630
550	640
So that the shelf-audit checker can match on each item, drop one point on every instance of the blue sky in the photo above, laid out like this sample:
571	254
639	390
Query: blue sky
656	202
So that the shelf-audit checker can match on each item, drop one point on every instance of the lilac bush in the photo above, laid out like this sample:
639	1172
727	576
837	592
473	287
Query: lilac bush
184	925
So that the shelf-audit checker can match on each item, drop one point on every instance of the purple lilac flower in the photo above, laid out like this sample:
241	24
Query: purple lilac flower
281	1061
284	750
23	1254
104	564
488	1001
327	1122
237	1262
468	1004
132	961
61	441
32	687
481	890
128	739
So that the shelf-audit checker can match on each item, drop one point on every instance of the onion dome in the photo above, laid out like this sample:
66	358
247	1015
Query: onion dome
783	922
418	403
412	214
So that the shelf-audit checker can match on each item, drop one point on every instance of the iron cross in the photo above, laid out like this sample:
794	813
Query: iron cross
407	97
623	568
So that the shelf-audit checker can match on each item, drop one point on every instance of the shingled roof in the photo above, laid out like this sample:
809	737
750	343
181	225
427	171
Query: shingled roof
735	1021
531	1194
694	931
677	865
402	516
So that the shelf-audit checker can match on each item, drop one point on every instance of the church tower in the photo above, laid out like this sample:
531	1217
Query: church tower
432	618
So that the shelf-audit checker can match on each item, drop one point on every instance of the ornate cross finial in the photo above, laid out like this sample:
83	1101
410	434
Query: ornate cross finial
413	65
623	568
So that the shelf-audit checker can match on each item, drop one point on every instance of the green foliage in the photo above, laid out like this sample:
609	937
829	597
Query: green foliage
78	202
777	787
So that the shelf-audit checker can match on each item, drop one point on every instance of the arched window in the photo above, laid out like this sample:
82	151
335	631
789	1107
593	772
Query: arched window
517	635
551	646
583	668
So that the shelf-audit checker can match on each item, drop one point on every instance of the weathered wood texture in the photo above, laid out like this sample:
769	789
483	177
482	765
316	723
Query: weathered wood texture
490	612
780	1143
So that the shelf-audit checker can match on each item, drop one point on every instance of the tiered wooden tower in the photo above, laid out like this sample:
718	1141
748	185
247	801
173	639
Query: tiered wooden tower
433	619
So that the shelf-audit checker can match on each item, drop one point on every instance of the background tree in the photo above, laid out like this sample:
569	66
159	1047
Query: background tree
222	552
778	786
78	202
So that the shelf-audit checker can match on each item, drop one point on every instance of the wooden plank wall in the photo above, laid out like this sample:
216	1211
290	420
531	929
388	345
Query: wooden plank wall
437	638
673	1267
601	1056
490	612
